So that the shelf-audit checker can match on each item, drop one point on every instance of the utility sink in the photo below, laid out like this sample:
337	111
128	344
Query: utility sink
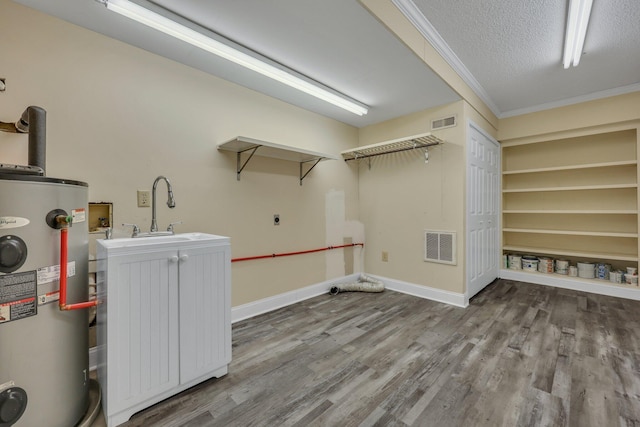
165	241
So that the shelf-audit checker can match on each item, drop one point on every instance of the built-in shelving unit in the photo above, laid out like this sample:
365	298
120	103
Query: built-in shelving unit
242	144
572	198
424	140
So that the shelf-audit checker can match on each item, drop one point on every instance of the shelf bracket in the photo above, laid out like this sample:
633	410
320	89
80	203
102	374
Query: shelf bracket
239	165
315	162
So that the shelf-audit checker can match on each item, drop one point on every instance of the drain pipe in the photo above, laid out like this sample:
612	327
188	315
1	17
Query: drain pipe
364	284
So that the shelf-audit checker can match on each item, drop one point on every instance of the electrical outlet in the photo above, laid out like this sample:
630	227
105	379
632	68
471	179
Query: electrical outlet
385	256
144	198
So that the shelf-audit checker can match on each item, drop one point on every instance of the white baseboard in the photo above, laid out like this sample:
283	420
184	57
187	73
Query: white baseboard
275	302
575	283
245	311
426	292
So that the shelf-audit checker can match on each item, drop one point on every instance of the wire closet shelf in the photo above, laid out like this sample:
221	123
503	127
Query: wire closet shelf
393	146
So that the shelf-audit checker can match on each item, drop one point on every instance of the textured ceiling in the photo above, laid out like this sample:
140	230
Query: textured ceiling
512	49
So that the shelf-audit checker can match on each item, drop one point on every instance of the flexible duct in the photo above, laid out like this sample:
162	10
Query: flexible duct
364	284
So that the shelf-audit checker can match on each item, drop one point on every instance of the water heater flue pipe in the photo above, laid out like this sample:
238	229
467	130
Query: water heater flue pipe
364	284
64	231
34	122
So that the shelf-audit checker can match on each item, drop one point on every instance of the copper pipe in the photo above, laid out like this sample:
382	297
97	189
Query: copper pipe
62	304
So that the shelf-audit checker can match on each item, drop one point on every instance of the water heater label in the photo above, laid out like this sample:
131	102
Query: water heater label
12	222
52	273
17	296
79	215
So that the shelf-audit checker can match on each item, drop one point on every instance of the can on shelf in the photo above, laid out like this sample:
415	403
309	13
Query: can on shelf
545	265
562	266
602	271
515	262
529	263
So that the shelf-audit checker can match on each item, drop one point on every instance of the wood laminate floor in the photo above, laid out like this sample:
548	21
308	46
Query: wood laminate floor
519	355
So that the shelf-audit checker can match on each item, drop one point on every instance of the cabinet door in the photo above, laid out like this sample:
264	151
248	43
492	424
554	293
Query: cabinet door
205	311
143	327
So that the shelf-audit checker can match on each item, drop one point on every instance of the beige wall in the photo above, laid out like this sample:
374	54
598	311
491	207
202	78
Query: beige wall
401	196
119	116
572	119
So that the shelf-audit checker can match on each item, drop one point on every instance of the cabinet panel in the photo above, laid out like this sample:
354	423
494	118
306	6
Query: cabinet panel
205	318
143	328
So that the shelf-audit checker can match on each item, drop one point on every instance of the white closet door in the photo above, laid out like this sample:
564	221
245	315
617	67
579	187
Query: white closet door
483	208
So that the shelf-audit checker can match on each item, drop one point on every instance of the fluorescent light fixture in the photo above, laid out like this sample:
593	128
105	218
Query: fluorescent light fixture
187	35
577	21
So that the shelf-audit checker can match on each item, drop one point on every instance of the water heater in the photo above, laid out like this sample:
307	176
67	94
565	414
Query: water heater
44	373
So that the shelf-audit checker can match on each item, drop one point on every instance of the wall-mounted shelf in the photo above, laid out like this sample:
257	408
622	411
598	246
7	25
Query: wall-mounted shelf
251	146
394	146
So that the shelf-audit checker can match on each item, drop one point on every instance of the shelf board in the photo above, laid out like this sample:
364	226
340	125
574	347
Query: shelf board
572	212
582	254
572	188
602	287
571	167
423	140
242	144
570	232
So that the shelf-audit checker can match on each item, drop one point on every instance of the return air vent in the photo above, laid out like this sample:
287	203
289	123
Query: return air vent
440	246
446	122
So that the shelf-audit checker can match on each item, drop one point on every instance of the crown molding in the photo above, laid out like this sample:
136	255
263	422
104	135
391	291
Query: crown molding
622	90
428	31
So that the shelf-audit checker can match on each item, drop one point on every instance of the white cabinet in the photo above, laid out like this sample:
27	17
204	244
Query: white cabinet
165	321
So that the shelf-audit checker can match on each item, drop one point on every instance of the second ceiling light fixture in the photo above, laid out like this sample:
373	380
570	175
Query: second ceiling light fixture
577	22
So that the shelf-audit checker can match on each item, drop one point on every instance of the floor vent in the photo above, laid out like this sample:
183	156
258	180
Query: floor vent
446	122
440	246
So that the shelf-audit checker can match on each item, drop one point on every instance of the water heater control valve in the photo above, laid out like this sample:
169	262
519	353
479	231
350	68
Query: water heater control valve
58	218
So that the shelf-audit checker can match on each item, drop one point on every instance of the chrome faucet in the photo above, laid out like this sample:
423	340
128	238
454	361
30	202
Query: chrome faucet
170	202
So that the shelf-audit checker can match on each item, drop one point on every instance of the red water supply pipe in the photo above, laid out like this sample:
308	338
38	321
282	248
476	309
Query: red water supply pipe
63	276
328	248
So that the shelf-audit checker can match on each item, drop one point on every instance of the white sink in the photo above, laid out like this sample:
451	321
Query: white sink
129	242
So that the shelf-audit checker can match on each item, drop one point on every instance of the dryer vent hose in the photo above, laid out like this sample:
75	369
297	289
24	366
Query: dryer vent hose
364	284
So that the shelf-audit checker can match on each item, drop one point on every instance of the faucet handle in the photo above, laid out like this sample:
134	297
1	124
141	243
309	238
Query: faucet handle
136	229
170	227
